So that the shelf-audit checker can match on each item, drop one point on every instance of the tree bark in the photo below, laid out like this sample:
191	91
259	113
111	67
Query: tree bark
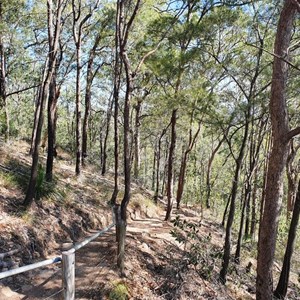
170	166
292	173
52	118
125	28
158	152
78	23
3	99
136	139
278	156
282	286
53	37
181	179
107	129
90	75
239	161
208	173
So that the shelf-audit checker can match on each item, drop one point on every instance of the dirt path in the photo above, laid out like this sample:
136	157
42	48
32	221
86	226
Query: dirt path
95	264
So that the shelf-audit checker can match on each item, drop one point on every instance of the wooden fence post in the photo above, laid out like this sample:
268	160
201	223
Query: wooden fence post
68	274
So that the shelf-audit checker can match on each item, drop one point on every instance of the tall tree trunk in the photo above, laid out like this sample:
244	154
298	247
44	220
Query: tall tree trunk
78	109
240	235
52	118
170	165
87	110
292	173
282	286
239	161
278	156
153	168
208	173
181	179
107	130
136	140
253	207
36	112
30	194
123	29
158	152
3	100
78	23
53	38
89	81
117	82
165	171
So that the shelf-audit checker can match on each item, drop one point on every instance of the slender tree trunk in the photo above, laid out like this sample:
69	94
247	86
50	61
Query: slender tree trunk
227	245
153	169
253	206
170	166
78	109
52	118
282	286
292	173
181	179
3	99
165	171
136	139
89	81
240	235
226	210
208	173
158	152
123	29
53	38
78	23
117	79
36	114
107	130
278	156
87	111
30	194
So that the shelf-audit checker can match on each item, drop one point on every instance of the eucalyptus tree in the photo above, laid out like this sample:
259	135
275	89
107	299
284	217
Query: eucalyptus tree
54	15
171	67
281	136
80	19
13	57
246	88
281	289
102	42
127	14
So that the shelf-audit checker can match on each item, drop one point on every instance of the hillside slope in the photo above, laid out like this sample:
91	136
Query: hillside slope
157	265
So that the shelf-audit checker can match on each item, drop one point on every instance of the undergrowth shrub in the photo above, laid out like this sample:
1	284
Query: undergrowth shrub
198	252
119	292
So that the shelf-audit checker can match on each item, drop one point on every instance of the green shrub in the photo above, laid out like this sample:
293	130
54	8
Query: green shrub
198	251
119	292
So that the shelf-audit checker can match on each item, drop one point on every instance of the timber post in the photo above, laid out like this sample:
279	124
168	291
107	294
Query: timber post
68	274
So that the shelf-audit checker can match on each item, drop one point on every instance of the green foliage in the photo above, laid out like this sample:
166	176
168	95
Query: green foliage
198	252
119	292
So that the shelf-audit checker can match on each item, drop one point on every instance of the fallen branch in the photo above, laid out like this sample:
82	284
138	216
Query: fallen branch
9	253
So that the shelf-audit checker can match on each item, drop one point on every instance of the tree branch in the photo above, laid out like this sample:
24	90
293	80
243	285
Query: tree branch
293	133
22	90
275	55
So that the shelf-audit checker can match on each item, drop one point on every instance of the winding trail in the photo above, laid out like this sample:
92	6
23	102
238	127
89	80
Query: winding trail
95	264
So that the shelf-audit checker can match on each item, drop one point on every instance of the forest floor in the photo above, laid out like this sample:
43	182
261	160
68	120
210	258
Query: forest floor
156	263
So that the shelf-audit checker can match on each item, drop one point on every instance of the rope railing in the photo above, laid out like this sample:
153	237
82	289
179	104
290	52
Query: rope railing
68	265
30	267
